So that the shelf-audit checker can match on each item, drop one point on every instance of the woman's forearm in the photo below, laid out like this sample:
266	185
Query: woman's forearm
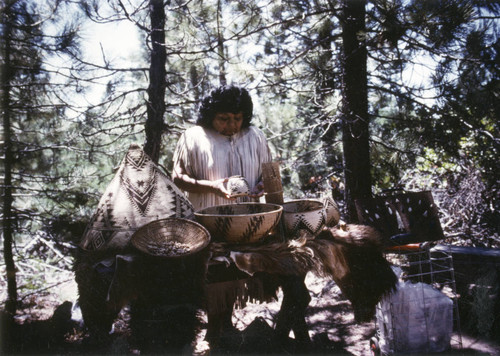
189	184
192	185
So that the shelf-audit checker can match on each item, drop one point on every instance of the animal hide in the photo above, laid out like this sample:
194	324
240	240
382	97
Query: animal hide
165	315
222	295
291	258
354	260
352	257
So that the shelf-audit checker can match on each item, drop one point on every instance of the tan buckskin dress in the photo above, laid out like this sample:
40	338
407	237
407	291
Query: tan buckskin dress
206	154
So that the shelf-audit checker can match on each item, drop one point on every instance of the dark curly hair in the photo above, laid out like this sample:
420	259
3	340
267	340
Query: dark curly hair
226	99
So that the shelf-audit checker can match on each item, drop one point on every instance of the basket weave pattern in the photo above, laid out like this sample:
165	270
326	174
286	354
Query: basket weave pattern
240	223
171	237
238	186
301	216
332	211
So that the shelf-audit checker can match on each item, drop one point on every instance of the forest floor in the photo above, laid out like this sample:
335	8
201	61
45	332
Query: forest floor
330	319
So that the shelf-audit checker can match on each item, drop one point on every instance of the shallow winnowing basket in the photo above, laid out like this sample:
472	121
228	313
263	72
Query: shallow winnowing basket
171	237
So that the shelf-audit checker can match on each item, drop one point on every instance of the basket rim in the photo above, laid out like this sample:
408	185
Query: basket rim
321	205
278	208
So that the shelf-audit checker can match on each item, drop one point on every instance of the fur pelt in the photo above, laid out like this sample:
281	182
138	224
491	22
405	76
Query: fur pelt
354	260
93	288
351	256
291	258
162	293
166	314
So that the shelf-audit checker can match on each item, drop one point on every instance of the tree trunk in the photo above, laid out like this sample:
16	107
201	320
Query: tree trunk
7	223
220	47
157	81
355	123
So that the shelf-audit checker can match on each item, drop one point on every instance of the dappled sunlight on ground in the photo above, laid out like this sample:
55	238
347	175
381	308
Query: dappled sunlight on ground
329	316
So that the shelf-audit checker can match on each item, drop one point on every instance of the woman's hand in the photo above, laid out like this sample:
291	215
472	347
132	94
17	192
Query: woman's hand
219	187
257	191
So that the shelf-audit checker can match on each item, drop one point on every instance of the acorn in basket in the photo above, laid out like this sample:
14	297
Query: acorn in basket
238	186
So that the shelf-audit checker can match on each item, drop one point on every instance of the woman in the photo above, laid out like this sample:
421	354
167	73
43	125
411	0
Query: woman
222	144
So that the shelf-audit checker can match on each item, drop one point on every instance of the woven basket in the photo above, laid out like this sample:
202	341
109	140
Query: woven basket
171	237
240	223
332	211
238	186
303	216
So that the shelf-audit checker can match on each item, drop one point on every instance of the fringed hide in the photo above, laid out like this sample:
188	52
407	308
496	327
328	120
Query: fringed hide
259	268
354	260
290	258
223	295
352	257
165	314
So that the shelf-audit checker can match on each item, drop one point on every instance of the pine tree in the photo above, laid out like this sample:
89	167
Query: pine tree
29	120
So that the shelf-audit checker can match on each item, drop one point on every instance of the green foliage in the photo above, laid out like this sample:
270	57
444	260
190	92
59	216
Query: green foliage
425	133
485	292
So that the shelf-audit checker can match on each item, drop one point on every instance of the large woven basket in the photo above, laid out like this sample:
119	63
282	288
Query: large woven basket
171	237
240	223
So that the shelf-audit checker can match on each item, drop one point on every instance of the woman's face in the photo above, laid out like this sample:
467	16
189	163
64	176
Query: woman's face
227	123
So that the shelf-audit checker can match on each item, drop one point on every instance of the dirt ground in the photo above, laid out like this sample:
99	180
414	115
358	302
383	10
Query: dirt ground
330	319
333	329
